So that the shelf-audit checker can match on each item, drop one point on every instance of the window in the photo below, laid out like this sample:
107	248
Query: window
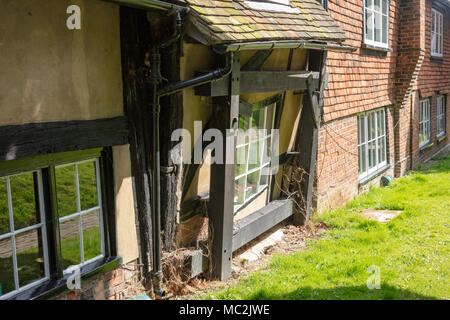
376	22
424	124
371	142
253	151
437	33
441	115
68	194
324	4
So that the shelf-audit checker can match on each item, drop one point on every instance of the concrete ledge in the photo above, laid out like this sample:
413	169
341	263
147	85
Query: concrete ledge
255	224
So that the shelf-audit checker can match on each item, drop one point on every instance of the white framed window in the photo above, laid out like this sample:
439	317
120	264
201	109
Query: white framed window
441	116
23	245
424	123
437	33
376	22
253	153
371	142
80	213
51	218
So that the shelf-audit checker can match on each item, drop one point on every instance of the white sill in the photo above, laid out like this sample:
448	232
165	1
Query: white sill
364	180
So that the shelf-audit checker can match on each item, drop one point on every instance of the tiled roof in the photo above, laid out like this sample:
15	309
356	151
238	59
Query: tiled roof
231	21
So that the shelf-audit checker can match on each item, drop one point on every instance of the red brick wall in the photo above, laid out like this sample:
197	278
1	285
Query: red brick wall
359	81
362	80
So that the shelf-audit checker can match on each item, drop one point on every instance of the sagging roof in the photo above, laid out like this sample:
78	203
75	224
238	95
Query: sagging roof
215	22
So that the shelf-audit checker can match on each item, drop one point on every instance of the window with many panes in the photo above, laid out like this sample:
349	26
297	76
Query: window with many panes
376	22
59	198
437	33
441	115
253	151
371	142
424	123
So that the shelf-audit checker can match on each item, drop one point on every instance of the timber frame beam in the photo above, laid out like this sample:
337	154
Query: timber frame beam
261	81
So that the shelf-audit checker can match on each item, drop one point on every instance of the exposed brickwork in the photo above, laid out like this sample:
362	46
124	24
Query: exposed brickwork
362	80
118	284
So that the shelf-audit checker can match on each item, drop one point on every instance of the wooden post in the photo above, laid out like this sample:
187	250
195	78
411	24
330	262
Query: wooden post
226	116
308	133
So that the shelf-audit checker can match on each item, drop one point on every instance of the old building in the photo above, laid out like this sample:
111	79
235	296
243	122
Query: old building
373	125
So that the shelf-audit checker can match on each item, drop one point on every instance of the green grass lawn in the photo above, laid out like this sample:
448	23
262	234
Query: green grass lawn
412	251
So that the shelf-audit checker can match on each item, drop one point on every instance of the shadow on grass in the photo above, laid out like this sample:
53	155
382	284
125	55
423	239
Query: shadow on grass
386	292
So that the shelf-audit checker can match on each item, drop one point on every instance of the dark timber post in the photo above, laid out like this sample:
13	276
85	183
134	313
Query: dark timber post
225	113
309	131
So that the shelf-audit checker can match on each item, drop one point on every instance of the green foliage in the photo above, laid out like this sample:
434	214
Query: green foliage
412	251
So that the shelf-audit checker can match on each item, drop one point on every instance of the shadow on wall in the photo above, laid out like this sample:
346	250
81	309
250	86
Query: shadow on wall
386	292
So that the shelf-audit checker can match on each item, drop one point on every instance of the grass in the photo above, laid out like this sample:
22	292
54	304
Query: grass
412	251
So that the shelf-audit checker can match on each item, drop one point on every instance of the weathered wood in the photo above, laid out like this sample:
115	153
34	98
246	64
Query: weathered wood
226	115
134	42
260	81
171	118
28	140
257	60
308	133
260	221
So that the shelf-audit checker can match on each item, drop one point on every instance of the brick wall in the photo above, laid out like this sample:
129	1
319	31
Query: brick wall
121	283
358	82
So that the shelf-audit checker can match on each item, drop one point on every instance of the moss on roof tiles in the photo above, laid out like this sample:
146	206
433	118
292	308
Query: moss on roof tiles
225	21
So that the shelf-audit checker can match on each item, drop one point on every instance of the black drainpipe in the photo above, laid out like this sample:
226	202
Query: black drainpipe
156	79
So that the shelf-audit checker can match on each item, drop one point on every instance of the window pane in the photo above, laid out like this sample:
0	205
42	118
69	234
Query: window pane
24	200
69	231
92	239
369	25
264	180
377	5
380	150
6	267
241	160
270	117
244	123
87	177
30	256
385	4
265	151
372	154
369	3
4	211
239	186
385	30
254	160
362	159
252	184
377	27
66	190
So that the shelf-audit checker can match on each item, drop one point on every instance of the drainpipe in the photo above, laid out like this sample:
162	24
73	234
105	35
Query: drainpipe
156	79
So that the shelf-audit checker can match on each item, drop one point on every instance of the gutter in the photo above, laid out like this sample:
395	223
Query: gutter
280	45
149	5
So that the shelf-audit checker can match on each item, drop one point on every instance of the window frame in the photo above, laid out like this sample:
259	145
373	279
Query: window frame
424	123
275	100
439	43
372	42
365	143
45	166
12	235
441	113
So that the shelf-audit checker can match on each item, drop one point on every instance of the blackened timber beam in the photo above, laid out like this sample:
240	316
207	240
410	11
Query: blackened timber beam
308	133
28	140
225	114
260	81
260	221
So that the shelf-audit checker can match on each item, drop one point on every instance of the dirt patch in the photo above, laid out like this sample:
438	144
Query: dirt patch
294	239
